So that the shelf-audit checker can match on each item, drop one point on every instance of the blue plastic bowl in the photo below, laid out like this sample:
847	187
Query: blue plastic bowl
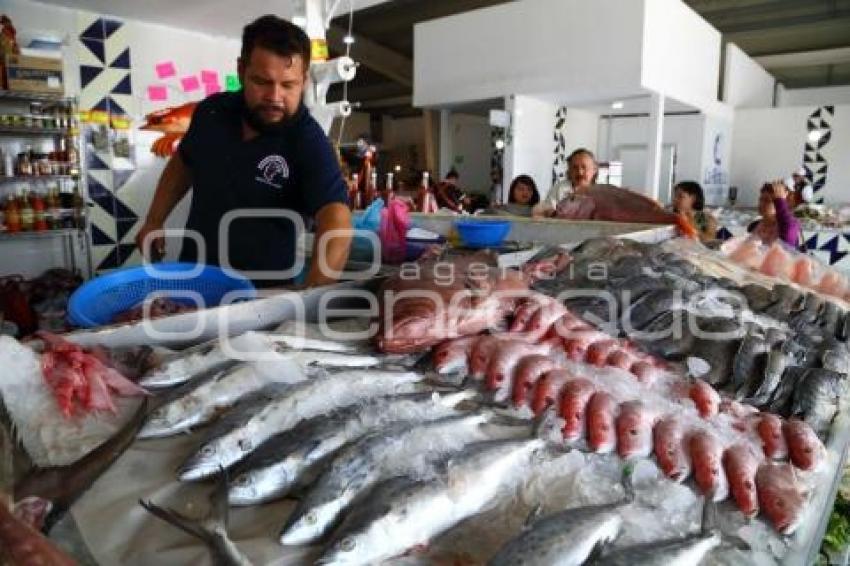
482	233
98	302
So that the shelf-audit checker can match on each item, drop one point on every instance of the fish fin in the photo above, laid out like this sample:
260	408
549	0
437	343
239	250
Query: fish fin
204	529
628	483
533	515
549	425
190	526
709	514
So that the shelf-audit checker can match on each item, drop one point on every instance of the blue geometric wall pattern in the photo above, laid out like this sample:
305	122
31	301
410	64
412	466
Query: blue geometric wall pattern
814	162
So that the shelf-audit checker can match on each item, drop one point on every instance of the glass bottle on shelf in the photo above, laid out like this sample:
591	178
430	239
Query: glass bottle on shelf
39	217
54	217
27	212
13	215
24	164
8	164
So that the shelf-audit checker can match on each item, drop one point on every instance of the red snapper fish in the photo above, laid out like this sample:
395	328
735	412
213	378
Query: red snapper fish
173	122
428	302
607	202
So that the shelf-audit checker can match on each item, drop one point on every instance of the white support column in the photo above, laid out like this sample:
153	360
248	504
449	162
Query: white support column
446	150
653	154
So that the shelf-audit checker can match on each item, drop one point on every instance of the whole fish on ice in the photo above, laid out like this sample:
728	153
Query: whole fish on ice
231	440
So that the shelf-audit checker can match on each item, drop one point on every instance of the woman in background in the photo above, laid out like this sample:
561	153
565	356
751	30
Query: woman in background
689	201
777	221
523	191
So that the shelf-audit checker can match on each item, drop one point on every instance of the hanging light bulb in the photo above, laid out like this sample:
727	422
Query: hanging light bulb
500	144
348	39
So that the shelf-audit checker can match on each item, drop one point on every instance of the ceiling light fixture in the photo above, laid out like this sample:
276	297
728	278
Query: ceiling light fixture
500	144
397	168
348	39
618	105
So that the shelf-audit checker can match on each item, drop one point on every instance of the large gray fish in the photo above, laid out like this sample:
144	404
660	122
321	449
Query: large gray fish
748	364
212	530
294	458
777	361
234	439
187	364
780	402
684	551
566	538
819	396
404	512
202	399
403	449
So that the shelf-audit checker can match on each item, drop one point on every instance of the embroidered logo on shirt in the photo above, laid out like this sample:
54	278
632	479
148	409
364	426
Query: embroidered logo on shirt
273	171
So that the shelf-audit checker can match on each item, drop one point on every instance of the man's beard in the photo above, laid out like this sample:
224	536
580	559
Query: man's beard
255	120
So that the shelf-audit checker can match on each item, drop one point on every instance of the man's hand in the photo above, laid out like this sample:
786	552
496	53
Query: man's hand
333	252
156	246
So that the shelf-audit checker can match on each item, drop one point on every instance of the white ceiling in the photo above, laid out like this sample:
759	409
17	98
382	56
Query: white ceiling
214	17
636	105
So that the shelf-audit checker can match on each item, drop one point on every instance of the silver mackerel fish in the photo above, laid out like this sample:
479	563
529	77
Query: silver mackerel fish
294	458
240	433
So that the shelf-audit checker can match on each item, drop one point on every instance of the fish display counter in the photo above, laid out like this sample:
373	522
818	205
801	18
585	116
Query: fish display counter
634	401
827	240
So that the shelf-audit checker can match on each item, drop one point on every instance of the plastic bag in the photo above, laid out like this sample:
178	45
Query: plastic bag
395	221
362	248
371	217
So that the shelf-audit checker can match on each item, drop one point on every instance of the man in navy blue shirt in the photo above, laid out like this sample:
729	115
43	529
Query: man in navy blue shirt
258	164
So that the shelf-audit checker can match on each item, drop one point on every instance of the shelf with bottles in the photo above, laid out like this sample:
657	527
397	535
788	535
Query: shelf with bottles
44	235
22	96
39	117
28	211
36	178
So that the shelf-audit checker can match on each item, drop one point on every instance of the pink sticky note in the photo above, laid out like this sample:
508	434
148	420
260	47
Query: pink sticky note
190	83
157	93
165	69
211	88
209	77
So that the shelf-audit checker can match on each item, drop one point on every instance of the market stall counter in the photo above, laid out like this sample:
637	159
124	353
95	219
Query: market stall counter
715	447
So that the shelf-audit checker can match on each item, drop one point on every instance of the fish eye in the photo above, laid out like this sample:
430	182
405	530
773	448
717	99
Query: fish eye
633	432
207	450
311	518
347	544
243	480
245	444
780	503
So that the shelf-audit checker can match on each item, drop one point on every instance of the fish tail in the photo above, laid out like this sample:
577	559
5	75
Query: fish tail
209	528
628	482
709	514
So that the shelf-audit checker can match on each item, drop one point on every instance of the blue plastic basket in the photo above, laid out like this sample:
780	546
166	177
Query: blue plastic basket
98	302
482	233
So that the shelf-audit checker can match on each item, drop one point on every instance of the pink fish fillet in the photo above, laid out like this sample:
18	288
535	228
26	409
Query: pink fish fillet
748	253
803	271
705	398
777	262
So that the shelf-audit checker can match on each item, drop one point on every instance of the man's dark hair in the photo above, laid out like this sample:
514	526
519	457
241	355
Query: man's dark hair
695	190
277	35
452	174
